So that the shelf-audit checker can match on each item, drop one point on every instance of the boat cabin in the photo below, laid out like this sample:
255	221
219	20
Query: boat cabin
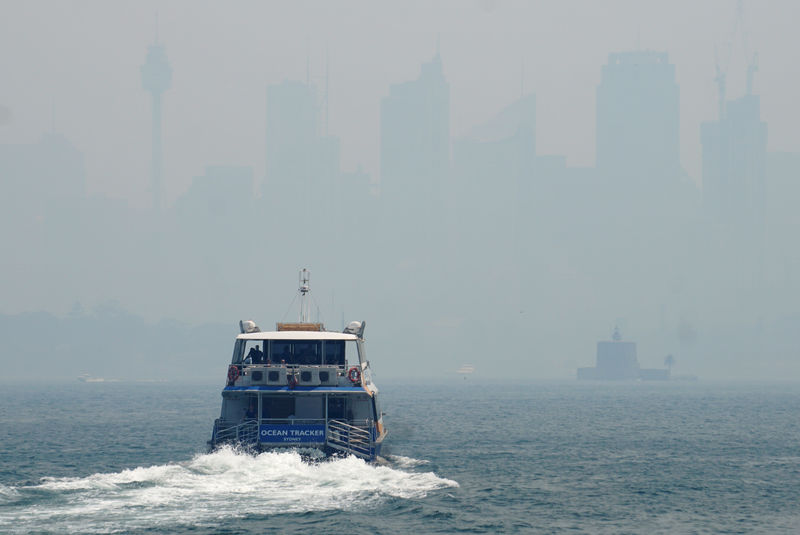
293	387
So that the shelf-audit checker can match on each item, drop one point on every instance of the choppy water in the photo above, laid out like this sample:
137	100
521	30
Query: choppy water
546	457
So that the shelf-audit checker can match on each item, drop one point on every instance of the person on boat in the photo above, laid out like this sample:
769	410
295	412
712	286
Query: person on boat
255	355
286	356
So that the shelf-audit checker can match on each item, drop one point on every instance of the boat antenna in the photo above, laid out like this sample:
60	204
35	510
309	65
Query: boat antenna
305	277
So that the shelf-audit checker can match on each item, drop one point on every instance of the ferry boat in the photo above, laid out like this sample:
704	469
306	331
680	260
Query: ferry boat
301	386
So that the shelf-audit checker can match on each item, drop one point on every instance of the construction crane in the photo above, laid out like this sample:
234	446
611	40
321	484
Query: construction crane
720	79
739	33
752	67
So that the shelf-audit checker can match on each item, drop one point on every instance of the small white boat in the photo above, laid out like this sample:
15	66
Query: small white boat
86	378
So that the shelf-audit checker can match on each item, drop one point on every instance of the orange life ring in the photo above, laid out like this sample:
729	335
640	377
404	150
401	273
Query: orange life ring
233	373
354	375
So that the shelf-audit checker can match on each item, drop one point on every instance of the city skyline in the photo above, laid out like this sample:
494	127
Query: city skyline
315	98
525	72
469	222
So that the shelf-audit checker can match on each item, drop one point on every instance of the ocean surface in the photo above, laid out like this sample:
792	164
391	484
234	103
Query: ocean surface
460	458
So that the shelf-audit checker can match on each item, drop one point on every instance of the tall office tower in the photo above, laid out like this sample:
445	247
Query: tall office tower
492	166
302	164
415	148
40	180
638	118
156	78
734	164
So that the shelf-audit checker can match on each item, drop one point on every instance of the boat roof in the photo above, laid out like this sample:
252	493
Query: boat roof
297	335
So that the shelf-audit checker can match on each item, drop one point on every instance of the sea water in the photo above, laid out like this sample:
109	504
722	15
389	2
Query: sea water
460	457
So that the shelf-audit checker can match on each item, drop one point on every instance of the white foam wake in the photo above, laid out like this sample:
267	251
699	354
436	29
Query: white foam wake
7	494
406	462
206	489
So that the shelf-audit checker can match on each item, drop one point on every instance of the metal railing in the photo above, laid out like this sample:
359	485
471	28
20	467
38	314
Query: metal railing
351	439
342	436
245	432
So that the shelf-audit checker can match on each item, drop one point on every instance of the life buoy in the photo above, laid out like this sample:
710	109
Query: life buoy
292	380
354	374
233	373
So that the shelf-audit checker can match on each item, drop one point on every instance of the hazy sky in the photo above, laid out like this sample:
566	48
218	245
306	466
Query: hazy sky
77	64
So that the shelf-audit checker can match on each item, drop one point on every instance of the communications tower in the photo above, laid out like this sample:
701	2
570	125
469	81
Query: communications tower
156	78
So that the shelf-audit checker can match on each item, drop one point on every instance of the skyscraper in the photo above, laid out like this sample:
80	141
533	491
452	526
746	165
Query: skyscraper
491	167
638	117
302	164
156	78
734	164
415	144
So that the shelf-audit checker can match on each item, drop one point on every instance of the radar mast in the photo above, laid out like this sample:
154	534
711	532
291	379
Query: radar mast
305	277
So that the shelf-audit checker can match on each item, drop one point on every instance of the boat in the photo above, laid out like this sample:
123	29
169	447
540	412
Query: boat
301	386
86	378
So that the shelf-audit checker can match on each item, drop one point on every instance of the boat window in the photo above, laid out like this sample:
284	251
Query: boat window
351	353
360	408
277	406
250	407
336	407
309	352
295	352
334	352
309	407
282	351
238	351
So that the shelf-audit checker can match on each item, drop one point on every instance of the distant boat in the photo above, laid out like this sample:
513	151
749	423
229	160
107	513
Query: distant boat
86	378
466	369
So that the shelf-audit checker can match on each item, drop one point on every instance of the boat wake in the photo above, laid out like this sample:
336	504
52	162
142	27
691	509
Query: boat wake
199	492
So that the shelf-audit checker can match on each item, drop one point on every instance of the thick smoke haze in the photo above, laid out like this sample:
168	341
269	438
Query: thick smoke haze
493	183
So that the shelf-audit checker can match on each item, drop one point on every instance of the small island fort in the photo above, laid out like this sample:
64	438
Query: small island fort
617	361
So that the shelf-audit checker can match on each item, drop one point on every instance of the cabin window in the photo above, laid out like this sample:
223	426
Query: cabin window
309	408
238	351
283	351
277	406
295	352
350	407
250	407
361	407
336	407
309	352
351	353
334	352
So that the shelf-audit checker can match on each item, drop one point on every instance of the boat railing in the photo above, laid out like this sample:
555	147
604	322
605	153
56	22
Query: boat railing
291	366
353	439
245	432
